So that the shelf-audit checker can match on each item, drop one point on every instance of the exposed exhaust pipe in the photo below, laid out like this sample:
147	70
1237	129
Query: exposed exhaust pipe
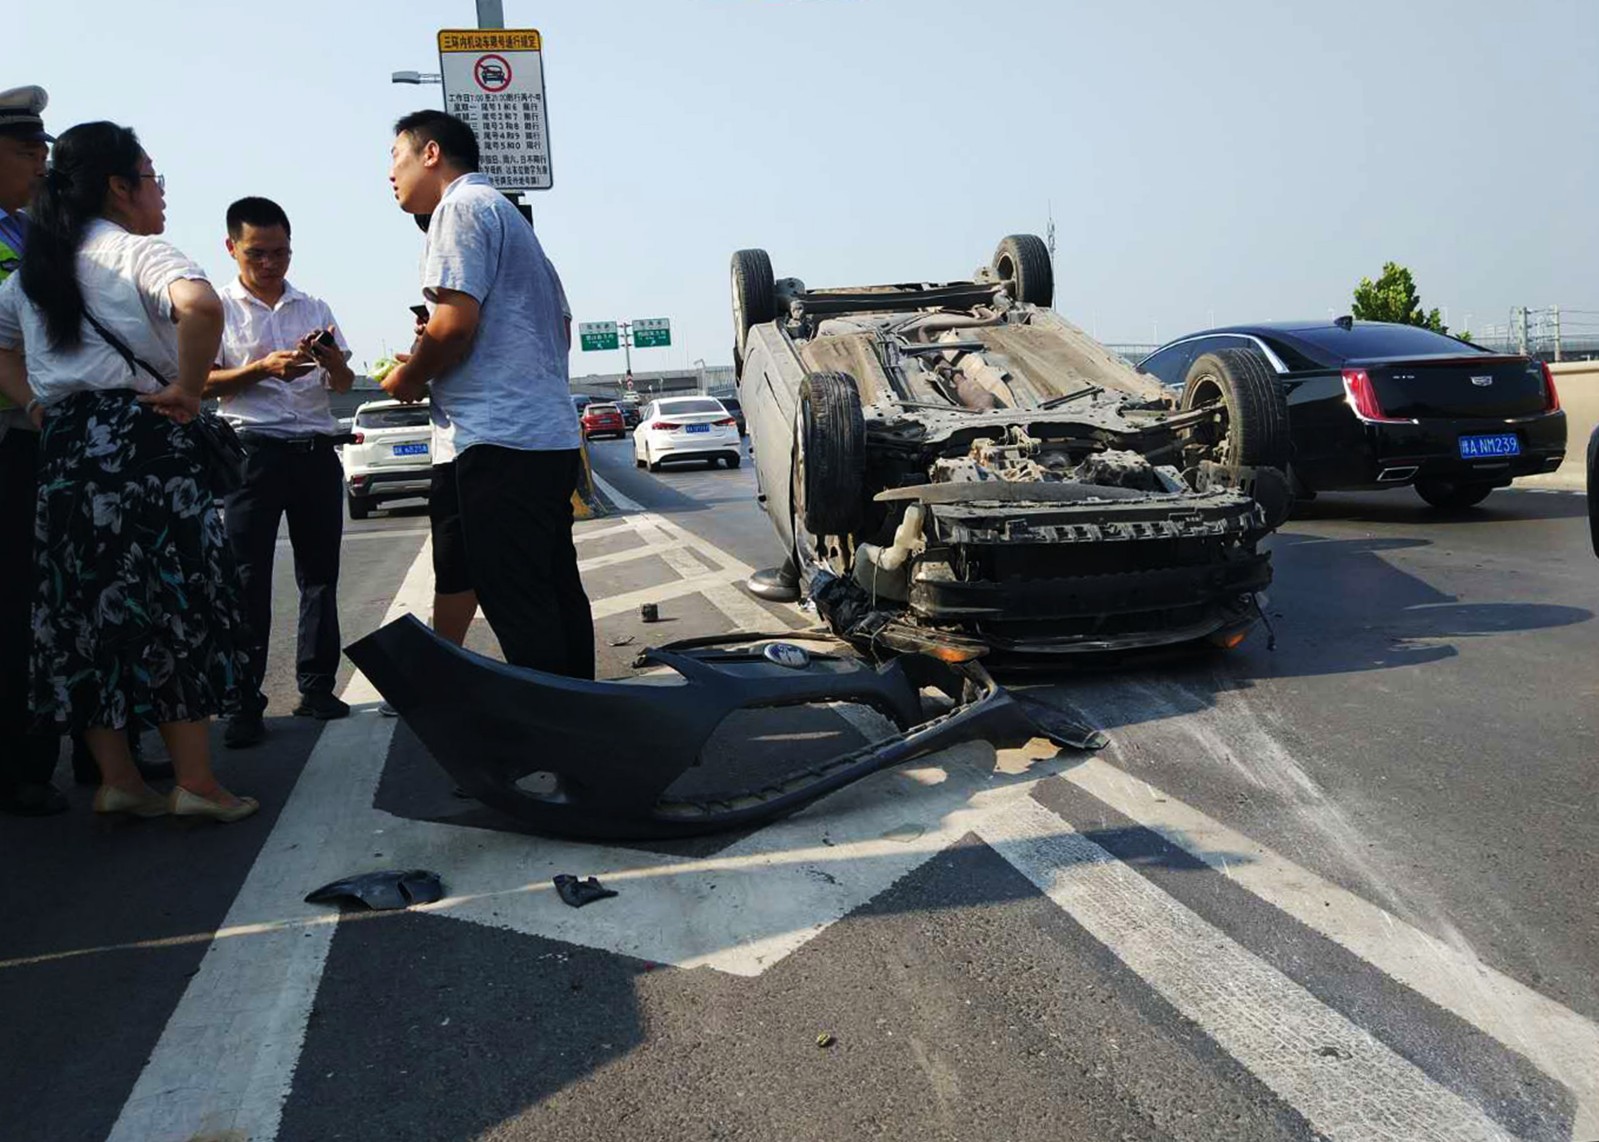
1394	475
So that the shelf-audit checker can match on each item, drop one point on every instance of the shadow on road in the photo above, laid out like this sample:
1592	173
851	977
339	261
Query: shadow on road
1404	508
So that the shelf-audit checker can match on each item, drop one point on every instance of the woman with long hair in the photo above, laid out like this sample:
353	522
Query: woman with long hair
135	616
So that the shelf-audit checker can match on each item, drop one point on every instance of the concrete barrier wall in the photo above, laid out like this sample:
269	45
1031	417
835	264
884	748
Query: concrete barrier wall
1578	384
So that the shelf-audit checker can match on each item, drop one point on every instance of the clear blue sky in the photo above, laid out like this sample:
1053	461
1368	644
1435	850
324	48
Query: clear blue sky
1206	162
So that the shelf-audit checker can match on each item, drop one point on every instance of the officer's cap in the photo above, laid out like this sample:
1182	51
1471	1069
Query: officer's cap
21	113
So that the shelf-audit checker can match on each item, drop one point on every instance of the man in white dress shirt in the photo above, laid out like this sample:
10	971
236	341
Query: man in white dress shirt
281	355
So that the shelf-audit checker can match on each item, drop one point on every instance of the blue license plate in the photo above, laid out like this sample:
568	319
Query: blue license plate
1483	447
410	449
698	428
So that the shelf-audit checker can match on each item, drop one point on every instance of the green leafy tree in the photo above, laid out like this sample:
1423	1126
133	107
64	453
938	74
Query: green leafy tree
1392	297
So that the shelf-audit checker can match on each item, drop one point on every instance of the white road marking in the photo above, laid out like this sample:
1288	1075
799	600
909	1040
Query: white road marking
659	532
1259	1016
631	555
1555	1039
227	1055
582	534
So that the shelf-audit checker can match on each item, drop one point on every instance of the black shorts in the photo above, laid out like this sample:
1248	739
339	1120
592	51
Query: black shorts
451	576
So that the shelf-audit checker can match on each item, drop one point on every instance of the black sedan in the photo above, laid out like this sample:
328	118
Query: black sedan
1372	405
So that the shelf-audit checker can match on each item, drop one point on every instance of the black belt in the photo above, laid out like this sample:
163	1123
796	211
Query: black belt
290	443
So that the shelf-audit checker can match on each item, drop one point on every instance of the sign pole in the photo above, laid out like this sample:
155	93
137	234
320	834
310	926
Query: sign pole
490	14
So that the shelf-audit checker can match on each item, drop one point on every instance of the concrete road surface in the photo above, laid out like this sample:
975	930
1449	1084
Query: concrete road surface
1344	889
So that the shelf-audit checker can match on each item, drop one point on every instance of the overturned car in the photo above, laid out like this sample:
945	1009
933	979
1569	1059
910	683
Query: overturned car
954	469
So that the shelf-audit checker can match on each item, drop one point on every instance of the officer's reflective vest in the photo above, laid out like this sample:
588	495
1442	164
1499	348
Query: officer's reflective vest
10	262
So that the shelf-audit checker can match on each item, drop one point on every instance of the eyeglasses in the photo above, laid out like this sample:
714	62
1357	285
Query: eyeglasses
160	180
257	257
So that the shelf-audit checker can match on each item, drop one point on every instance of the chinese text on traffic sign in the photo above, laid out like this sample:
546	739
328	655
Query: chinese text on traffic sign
494	80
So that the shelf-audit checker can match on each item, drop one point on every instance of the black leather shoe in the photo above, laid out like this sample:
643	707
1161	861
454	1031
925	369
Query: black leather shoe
33	800
322	706
244	729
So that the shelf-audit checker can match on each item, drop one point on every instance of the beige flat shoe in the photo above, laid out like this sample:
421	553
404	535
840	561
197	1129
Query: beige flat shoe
182	803
110	799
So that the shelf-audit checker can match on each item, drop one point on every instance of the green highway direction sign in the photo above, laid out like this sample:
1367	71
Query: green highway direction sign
597	335
652	332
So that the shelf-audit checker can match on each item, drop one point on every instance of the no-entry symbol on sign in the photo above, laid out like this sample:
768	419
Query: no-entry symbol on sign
492	72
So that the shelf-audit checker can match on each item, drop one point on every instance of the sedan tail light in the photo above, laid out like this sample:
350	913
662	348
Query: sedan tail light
1363	398
1551	395
727	422
666	425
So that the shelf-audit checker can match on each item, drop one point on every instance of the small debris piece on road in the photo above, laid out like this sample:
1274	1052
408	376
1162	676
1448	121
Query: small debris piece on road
580	892
825	1040
382	891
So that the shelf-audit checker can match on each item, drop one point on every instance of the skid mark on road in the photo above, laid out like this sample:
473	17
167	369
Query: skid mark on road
1344	1082
1558	1041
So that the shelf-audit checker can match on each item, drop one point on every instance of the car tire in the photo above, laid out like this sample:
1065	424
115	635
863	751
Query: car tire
732	461
650	462
1256	431
360	506
638	461
1593	490
830	457
753	296
1452	495
1023	260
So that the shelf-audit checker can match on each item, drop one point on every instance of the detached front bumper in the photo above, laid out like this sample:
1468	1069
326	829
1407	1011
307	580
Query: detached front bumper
594	760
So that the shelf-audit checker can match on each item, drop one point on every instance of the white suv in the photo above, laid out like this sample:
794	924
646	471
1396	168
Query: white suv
390	457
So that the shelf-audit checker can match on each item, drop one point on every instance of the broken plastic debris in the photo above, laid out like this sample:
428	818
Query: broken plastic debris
825	1040
580	892
382	891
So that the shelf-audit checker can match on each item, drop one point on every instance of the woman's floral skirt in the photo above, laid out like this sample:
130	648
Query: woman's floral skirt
137	617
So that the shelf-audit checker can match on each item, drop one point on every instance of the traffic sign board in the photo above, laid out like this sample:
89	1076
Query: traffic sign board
597	335
494	80
652	332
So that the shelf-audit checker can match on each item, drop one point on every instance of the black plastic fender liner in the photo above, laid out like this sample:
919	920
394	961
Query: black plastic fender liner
614	748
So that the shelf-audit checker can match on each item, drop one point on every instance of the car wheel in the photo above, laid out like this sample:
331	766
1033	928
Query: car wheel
1451	495
752	296
1023	260
732	461
1253	431
830	454
360	507
650	462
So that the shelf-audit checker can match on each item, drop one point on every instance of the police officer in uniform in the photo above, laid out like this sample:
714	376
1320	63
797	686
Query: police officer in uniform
26	759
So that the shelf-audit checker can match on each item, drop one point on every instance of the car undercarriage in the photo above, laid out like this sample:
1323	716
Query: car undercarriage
956	471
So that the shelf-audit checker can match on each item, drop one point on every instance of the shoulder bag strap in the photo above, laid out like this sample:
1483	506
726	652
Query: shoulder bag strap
134	363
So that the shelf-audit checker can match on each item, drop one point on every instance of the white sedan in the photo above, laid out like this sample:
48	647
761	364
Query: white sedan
686	428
